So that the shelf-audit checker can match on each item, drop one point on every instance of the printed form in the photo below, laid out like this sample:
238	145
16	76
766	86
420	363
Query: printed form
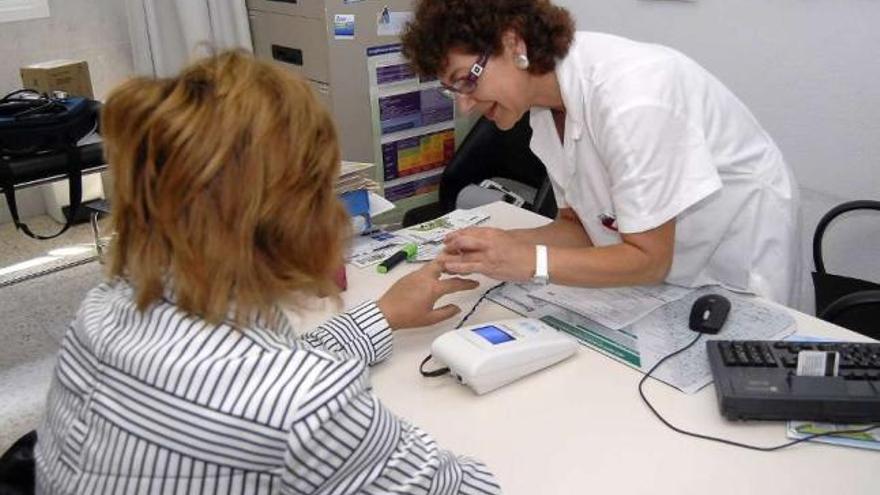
614	307
662	331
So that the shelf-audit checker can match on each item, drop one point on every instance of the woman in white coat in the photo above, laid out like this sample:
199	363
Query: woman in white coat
660	172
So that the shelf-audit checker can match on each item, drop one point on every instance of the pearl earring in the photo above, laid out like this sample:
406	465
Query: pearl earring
521	61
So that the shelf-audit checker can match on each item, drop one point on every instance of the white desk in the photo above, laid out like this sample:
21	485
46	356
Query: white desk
580	426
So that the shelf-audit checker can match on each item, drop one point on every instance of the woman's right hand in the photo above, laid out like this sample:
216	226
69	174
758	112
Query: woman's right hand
409	303
493	252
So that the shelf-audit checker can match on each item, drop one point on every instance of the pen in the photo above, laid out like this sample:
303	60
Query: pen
408	251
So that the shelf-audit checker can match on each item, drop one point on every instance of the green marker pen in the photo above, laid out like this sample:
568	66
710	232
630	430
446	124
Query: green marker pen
407	252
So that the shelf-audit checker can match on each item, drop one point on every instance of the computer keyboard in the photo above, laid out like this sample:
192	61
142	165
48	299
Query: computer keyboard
757	379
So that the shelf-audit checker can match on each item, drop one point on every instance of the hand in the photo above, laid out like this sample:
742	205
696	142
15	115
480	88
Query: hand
493	252
410	301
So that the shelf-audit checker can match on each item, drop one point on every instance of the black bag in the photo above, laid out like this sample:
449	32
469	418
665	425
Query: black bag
32	124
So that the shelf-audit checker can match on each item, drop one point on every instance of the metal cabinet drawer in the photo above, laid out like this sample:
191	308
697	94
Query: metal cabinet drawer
296	43
304	8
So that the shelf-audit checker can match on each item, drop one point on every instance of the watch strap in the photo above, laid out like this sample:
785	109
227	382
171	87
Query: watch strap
542	268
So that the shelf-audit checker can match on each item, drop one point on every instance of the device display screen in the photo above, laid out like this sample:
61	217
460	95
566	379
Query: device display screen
493	334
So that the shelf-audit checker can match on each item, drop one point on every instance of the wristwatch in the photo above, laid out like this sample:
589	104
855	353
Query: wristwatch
542	267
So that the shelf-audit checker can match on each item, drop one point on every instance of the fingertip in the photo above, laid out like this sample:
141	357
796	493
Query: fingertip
445	313
467	283
432	265
452	267
451	310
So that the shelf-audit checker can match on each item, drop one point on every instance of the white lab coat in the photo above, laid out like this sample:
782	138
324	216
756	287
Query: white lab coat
651	136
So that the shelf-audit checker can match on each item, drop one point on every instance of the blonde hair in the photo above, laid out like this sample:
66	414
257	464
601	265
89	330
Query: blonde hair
223	187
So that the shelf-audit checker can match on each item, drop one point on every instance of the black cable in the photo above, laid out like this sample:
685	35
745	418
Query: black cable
724	440
477	304
443	371
432	373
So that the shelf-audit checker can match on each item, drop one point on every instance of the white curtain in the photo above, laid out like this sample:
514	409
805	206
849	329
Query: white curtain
167	34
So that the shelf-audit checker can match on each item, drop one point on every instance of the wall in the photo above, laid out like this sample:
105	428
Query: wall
808	69
94	30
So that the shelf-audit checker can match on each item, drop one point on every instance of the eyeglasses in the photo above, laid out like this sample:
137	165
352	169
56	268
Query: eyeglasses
468	84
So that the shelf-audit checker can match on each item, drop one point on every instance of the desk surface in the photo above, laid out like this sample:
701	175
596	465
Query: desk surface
580	426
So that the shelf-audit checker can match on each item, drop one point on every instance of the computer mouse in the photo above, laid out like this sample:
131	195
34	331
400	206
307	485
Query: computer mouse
709	313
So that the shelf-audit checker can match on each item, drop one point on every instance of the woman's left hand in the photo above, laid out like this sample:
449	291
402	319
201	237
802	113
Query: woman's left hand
489	251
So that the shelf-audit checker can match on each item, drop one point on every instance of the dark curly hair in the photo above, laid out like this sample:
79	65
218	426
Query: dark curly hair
476	26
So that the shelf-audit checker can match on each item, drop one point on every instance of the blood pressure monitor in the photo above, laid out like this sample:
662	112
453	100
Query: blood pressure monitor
485	357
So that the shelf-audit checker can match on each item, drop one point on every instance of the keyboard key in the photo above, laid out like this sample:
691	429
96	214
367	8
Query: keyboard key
728	356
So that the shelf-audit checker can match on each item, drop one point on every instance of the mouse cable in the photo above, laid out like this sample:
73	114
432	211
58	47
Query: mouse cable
443	371
724	440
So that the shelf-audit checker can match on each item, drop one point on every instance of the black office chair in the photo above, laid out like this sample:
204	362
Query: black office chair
17	467
488	152
849	302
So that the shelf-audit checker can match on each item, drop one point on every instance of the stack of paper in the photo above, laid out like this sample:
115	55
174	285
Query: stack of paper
355	176
357	189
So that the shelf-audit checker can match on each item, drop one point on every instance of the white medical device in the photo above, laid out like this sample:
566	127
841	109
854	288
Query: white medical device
487	356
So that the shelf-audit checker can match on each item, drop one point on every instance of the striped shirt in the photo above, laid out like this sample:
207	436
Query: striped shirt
161	402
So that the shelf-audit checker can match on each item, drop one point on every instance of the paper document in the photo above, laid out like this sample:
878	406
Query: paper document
435	230
663	331
613	307
666	330
371	249
368	250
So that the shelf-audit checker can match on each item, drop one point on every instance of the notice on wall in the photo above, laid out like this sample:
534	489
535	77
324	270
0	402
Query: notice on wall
343	26
416	154
413	124
390	23
420	108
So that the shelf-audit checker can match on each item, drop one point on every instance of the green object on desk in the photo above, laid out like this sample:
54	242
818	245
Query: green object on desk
407	252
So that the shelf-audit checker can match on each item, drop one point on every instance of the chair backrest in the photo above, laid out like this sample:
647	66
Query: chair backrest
18	468
489	152
849	302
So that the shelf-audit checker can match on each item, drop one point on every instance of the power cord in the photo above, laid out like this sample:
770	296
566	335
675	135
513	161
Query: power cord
443	371
477	304
724	440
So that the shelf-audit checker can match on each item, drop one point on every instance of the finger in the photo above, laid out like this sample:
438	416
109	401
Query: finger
467	231
463	268
449	249
455	284
442	259
450	236
468	243
443	264
433	268
443	313
446	259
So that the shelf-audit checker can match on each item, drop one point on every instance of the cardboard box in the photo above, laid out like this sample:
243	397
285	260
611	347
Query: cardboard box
70	76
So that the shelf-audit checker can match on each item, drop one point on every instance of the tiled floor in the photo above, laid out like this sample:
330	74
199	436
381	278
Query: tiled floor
15	247
34	315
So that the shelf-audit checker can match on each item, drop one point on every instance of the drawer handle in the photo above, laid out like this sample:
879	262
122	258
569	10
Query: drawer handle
284	1
288	55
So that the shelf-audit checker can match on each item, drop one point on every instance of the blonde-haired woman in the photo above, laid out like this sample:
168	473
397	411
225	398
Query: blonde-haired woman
180	375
